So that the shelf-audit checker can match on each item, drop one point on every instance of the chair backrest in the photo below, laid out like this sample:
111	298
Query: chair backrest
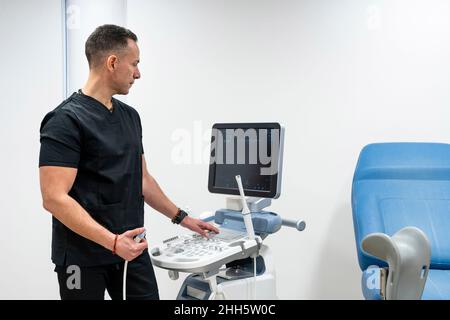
396	185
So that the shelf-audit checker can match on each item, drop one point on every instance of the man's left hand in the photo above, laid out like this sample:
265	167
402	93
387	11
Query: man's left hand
198	226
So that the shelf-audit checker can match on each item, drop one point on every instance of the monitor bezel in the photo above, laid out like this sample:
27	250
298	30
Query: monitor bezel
275	186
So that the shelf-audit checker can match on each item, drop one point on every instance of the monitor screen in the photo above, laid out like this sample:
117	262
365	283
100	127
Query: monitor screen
253	151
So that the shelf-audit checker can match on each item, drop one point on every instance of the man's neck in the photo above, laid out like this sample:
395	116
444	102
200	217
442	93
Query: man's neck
96	89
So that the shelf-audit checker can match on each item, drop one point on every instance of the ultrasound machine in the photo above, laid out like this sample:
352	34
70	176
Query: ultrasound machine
245	164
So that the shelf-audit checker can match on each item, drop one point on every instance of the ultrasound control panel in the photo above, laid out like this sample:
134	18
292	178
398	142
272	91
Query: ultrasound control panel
194	253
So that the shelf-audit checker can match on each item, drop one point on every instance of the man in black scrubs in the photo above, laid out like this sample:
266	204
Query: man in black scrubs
94	179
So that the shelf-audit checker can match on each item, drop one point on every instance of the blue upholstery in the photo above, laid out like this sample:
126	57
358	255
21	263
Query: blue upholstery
437	286
405	184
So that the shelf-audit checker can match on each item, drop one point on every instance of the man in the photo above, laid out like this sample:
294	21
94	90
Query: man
94	179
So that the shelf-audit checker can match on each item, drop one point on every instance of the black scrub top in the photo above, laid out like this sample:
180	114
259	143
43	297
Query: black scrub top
106	148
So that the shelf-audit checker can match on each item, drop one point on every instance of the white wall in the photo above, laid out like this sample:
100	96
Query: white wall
31	82
82	17
338	74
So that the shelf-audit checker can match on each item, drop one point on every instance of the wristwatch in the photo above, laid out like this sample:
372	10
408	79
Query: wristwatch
179	216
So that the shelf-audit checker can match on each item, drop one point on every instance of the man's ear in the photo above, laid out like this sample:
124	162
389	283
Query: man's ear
111	62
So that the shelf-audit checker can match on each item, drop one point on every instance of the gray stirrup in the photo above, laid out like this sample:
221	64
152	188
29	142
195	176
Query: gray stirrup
407	253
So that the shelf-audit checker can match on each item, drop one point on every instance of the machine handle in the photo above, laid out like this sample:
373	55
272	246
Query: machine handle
300	225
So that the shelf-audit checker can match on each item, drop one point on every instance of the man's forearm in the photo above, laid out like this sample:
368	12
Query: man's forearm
155	197
72	215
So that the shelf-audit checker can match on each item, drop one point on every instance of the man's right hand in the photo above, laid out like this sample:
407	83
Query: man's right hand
127	248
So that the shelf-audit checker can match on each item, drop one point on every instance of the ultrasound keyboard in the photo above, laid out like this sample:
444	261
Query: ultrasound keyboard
194	253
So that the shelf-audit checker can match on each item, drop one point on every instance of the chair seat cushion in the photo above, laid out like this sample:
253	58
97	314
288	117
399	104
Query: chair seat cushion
437	286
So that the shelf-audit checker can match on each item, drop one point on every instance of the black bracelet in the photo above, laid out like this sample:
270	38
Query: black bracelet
179	216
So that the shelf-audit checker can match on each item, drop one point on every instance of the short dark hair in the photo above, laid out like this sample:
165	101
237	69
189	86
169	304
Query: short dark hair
104	39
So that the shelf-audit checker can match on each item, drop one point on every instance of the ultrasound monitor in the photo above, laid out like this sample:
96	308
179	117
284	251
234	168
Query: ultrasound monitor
252	150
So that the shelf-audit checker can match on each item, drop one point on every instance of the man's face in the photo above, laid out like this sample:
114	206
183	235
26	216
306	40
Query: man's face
126	69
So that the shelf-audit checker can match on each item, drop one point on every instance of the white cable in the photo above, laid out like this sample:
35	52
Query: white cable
254	278
248	225
125	280
245	210
137	239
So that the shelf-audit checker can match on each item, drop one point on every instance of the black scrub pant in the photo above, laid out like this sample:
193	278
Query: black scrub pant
141	281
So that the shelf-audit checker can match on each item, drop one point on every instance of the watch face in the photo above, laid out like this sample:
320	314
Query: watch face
182	215
179	217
